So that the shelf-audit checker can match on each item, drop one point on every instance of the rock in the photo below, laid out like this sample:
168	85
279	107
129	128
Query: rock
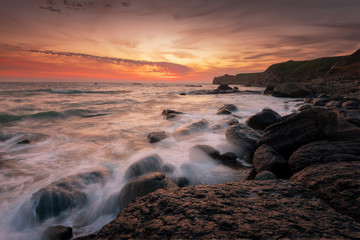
323	95
319	101
182	182
269	90
228	157
307	126
231	121
229	107
292	90
304	107
223	112
154	137
169	114
337	183
321	152
201	153
191	128
243	137
143	166
265	175
144	185
267	159
26	141
57	233
168	168
308	100
224	87
64	194
263	119
235	210
350	104
333	104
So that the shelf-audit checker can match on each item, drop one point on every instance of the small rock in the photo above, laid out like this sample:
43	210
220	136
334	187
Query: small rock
154	137
143	166
308	100
224	87
319	102
323	95
57	233
203	153
350	104
265	175
26	141
228	157
182	181
223	112
169	114
191	128
333	105
168	168
303	107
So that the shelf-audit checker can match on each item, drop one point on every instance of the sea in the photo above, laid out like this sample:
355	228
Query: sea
52	131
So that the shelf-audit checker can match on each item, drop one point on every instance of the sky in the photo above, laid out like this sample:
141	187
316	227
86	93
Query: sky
169	40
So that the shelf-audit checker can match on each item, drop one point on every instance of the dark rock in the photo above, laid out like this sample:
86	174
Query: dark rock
65	194
169	114
231	121
265	175
307	126
283	118
168	168
269	90
337	183
308	100
323	95
263	119
333	104
244	137
229	107
291	90
154	137
144	185
228	157
234	210
304	107
319	102
321	152
26	141
203	153
191	128
223	112
224	87
267	159
143	166
350	104
236	88
57	233
182	182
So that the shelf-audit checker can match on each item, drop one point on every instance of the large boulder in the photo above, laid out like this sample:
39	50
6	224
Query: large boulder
236	210
337	183
263	119
154	137
291	90
243	137
144	185
267	159
57	233
143	166
201	152
320	152
307	126
65	194
191	128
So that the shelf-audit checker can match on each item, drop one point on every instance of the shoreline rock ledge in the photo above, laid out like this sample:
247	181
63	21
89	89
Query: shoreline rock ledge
274	209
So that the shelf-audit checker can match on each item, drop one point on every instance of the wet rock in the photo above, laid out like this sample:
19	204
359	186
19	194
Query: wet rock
57	233
228	157
154	137
321	152
201	153
263	119
65	194
169	114
182	181
233	210
323	95
265	175
191	128
337	183
304	107
26	141
244	137
307	126
319	102
168	168
292	90
350	104
224	87
267	159
229	107
231	121
143	166
333	104
142	186
223	112
308	100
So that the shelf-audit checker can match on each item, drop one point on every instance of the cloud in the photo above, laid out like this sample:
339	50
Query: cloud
171	68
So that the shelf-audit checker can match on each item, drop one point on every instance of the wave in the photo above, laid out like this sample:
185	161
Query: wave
7	118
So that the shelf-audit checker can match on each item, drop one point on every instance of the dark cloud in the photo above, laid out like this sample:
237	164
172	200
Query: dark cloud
50	8
158	66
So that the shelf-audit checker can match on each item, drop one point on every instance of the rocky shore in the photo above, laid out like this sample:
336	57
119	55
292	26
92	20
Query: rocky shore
304	181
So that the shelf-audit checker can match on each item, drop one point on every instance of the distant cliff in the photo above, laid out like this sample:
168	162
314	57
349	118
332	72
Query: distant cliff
241	79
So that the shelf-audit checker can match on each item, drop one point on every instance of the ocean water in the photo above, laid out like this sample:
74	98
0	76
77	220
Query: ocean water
79	127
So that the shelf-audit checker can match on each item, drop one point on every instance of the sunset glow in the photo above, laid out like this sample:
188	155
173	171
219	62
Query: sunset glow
110	40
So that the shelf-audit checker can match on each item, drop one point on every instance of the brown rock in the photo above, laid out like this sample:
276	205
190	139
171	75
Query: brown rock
267	159
143	166
203	152
154	137
337	183
263	119
57	233
191	128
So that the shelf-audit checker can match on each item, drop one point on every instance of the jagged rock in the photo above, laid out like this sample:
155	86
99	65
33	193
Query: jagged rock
154	137
203	153
321	152
244	137
267	159
57	233
319	101
191	128
144	185
333	104
350	104
234	210
337	183
263	119
307	126
143	166
304	107
64	194
265	175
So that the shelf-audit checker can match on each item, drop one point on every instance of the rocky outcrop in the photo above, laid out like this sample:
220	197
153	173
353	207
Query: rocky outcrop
65	194
263	119
143	166
154	137
252	79
142	186
191	128
57	233
267	159
236	210
337	183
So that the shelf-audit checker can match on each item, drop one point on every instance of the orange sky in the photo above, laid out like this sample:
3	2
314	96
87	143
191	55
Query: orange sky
109	40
